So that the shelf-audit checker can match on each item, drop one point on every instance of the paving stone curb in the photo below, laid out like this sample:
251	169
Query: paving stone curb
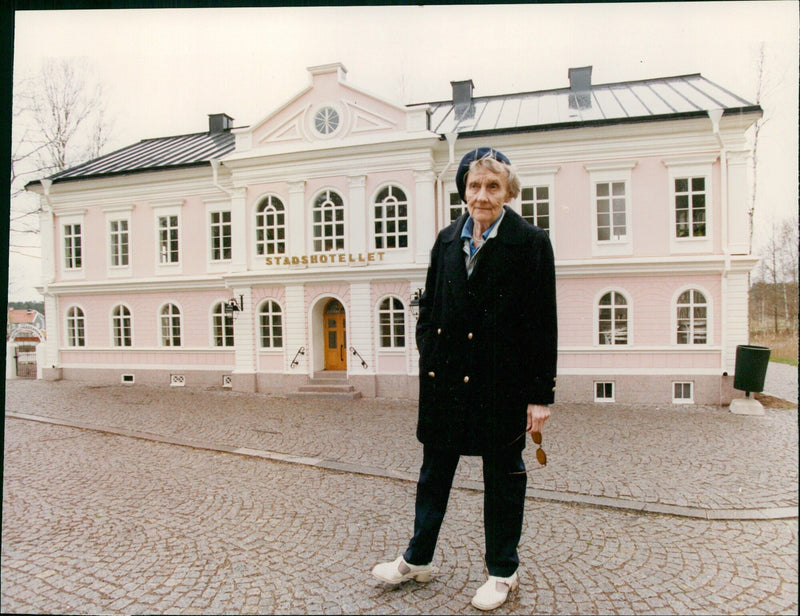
774	513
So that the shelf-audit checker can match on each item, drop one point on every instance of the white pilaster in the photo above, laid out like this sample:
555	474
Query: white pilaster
239	230
244	333
296	218
47	238
360	330
358	216
424	215
295	329
53	319
738	204
736	322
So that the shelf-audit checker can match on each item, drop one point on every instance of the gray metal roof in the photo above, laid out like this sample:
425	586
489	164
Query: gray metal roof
154	154
632	101
651	99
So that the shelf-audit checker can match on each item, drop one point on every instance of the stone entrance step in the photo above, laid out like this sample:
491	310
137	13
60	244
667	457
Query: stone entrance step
327	384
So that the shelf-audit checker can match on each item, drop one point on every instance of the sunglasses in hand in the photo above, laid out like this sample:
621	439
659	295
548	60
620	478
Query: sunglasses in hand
541	456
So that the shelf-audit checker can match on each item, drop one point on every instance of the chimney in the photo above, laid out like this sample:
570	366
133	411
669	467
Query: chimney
218	122
580	85
462	99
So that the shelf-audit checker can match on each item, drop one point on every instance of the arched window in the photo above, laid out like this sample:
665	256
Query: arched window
170	326
612	319
692	322
391	321
222	324
75	327
328	216
391	218
270	227
271	323
121	324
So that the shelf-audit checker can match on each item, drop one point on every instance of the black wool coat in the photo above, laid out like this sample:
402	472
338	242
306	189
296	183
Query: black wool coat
487	343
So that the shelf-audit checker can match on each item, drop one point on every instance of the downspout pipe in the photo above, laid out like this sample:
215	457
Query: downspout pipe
451	144
215	164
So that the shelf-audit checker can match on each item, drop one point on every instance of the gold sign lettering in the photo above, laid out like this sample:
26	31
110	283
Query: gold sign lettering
334	257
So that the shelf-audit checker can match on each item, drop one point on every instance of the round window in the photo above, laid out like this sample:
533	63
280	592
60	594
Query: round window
326	120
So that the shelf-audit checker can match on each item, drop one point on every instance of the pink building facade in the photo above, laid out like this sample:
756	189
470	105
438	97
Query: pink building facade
315	223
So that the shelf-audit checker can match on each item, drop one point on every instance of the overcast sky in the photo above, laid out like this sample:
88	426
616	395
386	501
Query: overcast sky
165	70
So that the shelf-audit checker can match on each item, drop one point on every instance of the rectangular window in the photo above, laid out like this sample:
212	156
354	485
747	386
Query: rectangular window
683	393
690	207
604	391
612	217
119	243
168	246
72	247
457	206
221	236
535	206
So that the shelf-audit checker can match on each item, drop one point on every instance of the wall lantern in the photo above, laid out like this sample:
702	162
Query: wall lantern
415	297
233	307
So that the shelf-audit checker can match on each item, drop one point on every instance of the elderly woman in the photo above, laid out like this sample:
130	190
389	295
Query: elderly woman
487	341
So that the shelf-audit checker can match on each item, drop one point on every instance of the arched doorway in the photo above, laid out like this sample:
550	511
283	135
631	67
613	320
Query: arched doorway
335	335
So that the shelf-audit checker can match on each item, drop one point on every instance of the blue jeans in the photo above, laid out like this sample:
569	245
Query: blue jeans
504	481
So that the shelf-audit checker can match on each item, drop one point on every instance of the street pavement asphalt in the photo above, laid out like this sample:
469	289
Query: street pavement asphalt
142	499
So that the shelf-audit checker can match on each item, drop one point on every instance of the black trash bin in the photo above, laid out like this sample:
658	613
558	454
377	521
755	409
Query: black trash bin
751	368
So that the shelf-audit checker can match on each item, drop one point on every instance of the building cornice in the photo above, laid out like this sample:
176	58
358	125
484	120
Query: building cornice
583	268
653	266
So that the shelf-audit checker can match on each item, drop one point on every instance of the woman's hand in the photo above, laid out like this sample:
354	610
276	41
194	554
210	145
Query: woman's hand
537	415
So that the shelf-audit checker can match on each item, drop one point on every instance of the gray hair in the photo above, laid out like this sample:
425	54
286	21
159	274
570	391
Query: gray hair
495	166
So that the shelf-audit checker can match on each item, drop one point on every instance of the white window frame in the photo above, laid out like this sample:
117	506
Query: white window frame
689	167
533	177
709	320
223	321
168	209
596	319
393	323
263	203
398	220
314	224
605	172
114	328
71	218
683	400
275	310
222	225
160	316
118	214
451	190
603	399
71	329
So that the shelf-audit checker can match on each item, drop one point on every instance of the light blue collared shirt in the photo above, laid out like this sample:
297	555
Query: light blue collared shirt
470	249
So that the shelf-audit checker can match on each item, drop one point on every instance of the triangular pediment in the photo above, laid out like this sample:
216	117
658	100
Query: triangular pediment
327	111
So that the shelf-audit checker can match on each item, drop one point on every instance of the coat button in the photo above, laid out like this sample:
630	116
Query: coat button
469	336
439	331
466	379
431	374
554	388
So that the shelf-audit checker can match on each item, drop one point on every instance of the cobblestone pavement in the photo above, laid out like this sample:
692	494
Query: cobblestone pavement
691	460
97	522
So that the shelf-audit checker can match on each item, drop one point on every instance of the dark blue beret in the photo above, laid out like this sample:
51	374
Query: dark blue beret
463	167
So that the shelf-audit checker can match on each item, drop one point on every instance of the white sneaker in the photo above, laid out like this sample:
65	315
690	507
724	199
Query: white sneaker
399	571
495	592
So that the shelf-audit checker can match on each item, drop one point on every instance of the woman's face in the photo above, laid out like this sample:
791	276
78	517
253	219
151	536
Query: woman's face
486	192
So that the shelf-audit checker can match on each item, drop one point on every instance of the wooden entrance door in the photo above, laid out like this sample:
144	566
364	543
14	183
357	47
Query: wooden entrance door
335	328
